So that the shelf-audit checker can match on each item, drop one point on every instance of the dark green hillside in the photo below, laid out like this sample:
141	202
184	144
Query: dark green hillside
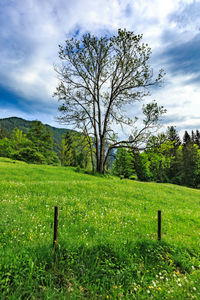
8	124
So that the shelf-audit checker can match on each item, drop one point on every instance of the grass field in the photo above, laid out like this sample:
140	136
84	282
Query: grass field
107	240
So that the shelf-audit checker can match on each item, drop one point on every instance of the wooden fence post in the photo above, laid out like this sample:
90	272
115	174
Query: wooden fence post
55	234
159	225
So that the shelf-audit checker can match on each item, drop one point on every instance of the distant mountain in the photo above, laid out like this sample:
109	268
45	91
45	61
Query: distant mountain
8	124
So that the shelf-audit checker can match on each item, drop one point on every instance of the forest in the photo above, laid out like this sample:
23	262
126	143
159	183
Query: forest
166	157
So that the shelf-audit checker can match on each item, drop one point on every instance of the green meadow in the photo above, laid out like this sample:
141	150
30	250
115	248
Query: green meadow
107	238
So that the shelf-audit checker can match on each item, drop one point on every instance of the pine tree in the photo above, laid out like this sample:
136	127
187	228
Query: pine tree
67	151
186	138
191	165
193	137
173	136
41	136
175	168
197	138
42	142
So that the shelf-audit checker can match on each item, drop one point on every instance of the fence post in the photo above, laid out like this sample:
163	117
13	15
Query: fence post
159	225
55	234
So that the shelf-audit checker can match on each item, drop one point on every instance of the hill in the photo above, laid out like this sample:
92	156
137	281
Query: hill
107	238
8	124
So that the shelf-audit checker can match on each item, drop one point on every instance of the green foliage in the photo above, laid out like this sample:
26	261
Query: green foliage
78	169
19	139
29	155
142	166
7	126
123	164
173	137
76	151
3	133
40	136
83	146
133	177
6	148
35	147
166	160
67	153
42	142
107	238
191	165
159	155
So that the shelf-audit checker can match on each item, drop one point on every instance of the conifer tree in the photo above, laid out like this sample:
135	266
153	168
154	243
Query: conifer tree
173	136
197	138
175	167
186	138
67	151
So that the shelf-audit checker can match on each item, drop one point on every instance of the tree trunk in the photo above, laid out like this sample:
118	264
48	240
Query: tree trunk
101	155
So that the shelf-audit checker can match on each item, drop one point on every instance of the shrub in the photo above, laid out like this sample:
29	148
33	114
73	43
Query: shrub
29	155
133	177
52	158
5	148
78	169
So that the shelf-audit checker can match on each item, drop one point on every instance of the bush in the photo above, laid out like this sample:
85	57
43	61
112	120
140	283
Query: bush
6	148
29	155
52	158
133	177
78	169
177	180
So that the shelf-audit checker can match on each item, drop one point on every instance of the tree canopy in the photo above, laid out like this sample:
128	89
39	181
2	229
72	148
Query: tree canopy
100	80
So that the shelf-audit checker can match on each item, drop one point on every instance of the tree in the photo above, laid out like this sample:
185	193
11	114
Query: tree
159	154
142	166
19	139
3	133
186	138
173	136
67	154
40	136
176	165
123	164
42	142
197	138
191	165
83	148
75	150
6	149
100	78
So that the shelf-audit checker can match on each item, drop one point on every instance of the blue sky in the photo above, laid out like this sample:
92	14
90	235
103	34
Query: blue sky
30	31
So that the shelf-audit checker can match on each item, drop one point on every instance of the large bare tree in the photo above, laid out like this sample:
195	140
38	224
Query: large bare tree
100	78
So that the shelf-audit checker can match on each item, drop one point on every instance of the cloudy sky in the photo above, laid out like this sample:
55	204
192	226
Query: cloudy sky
30	31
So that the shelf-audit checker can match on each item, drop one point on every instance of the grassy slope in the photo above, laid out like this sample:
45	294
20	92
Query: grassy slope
107	236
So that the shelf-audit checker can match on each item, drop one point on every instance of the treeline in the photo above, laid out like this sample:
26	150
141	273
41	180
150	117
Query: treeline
37	146
165	159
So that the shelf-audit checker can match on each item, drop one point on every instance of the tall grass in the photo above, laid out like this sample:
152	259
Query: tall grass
107	243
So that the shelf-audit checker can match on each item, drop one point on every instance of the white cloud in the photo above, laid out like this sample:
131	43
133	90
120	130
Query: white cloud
30	32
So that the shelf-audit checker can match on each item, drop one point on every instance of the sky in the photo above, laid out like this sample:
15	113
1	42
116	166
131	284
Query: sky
31	30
